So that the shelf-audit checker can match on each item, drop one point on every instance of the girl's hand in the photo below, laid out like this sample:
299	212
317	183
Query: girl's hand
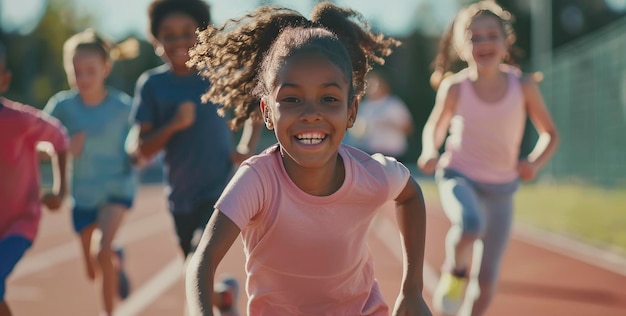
428	163
411	306
185	115
526	170
52	201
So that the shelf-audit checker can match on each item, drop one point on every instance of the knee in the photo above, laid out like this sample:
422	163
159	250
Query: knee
473	226
105	255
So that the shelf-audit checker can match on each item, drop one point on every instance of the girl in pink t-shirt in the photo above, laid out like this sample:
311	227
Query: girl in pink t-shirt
484	108
304	206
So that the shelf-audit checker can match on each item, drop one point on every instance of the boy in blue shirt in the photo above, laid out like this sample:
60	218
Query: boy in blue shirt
196	140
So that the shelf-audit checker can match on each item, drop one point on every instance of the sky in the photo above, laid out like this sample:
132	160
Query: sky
121	18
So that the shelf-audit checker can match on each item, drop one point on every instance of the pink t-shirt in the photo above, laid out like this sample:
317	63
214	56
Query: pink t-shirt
485	137
308	255
21	128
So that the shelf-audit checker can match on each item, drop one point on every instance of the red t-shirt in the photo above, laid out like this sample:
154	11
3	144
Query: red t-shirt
21	128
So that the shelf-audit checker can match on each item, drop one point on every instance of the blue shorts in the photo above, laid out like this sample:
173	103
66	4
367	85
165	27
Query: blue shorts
12	249
82	217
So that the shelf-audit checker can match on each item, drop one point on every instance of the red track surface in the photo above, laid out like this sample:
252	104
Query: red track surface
50	279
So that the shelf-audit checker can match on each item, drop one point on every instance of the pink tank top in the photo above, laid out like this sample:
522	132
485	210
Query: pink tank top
485	137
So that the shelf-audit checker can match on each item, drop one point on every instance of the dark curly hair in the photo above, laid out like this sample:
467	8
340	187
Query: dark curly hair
241	58
198	10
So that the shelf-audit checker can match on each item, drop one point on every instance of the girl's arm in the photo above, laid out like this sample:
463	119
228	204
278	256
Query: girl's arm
150	140
218	237
436	127
53	200
411	216
548	135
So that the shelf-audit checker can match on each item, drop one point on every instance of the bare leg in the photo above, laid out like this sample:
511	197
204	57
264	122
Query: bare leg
85	240
4	309
109	220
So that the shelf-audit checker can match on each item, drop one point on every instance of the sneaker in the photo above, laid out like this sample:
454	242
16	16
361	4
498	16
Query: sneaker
123	283
228	288
449	294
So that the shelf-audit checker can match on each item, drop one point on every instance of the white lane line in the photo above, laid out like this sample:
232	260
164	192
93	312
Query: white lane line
563	245
571	248
151	290
389	235
129	233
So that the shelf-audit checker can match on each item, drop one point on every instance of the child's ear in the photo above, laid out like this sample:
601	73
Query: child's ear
353	109
158	48
107	68
265	112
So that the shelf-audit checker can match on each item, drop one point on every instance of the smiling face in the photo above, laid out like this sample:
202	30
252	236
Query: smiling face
310	110
176	35
486	41
88	71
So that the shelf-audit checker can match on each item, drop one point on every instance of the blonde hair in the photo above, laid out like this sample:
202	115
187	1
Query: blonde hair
89	39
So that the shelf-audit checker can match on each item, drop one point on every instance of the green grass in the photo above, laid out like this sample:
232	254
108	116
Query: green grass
590	214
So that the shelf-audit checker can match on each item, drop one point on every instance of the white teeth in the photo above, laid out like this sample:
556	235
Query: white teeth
310	138
313	141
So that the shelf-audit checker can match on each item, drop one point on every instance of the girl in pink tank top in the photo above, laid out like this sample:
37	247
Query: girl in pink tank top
483	109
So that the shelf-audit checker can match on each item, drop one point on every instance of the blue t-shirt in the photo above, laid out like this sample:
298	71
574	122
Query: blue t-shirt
102	170
197	159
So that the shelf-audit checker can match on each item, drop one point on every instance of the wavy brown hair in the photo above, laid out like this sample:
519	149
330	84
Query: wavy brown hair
240	59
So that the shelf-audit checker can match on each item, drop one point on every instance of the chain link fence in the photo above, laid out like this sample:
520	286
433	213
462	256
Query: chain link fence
585	90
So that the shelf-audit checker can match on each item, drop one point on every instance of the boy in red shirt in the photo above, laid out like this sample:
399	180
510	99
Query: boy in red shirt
21	128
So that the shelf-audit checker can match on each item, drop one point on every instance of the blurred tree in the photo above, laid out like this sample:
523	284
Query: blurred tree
36	59
572	19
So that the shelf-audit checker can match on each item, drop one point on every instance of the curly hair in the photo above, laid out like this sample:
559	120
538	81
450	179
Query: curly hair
198	10
241	58
453	40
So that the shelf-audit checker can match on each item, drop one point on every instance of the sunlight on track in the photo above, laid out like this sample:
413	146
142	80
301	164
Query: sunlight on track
389	235
129	233
151	290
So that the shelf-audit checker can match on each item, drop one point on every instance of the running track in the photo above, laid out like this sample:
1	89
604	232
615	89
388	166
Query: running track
536	279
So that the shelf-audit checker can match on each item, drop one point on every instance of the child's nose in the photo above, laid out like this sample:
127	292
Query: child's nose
310	111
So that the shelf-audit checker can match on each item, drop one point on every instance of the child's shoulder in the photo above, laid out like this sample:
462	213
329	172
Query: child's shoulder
120	97
64	96
263	159
524	77
17	108
380	172
370	163
452	81
17	111
156	73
